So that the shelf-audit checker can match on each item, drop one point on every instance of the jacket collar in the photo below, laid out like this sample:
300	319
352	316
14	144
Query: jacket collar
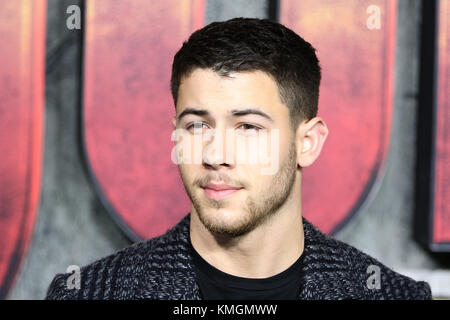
175	278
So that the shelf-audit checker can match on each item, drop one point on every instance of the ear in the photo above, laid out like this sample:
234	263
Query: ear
310	138
174	122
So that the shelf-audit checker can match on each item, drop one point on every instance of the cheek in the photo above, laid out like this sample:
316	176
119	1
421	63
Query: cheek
255	180
187	173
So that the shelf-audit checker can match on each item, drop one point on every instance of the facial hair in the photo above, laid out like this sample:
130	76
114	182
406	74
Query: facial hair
256	211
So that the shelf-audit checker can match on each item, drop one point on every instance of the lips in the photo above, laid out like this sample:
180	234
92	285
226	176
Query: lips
219	191
220	187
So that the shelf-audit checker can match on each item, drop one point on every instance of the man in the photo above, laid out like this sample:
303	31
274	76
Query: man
244	237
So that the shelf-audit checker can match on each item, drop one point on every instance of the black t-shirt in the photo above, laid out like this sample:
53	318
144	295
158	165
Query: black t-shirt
215	284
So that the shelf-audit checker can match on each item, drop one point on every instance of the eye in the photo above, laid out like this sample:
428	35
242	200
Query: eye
249	129
196	125
248	126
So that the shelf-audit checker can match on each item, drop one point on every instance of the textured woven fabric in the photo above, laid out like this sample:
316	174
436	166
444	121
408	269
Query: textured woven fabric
161	268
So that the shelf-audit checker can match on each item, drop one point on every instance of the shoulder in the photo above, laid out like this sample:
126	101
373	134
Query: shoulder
356	275
117	276
99	278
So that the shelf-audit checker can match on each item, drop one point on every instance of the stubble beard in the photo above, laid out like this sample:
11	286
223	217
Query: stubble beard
256	212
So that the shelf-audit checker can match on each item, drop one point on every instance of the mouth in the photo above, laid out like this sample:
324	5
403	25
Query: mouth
220	191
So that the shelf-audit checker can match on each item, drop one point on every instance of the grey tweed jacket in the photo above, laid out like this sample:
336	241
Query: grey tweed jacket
162	268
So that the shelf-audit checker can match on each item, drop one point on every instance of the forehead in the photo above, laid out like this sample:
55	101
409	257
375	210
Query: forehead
204	88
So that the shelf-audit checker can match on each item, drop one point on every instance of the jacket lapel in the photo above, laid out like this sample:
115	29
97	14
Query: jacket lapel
171	274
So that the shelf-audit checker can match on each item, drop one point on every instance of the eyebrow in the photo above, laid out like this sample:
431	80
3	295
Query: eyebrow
234	113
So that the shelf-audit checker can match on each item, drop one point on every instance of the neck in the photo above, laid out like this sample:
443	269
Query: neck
266	251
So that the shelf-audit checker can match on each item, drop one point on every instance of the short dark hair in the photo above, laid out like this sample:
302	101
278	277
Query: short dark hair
250	44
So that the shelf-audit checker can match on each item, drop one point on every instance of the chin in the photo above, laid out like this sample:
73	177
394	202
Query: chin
224	215
224	221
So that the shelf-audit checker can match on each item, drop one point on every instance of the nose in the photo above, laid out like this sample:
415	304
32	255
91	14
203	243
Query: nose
217	152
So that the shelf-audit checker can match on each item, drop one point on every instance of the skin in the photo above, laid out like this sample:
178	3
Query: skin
257	232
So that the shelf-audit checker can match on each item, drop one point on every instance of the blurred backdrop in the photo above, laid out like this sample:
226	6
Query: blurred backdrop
85	111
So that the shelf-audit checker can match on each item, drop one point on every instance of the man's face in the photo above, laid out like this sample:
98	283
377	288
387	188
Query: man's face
259	195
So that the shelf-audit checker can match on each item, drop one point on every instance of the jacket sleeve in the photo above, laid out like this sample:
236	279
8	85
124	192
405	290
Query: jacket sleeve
395	286
391	284
58	289
423	291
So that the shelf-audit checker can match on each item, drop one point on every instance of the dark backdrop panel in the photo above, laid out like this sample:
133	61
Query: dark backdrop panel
129	49
441	228
433	184
22	56
356	99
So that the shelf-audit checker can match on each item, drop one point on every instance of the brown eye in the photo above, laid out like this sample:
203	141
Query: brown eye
248	129
248	126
